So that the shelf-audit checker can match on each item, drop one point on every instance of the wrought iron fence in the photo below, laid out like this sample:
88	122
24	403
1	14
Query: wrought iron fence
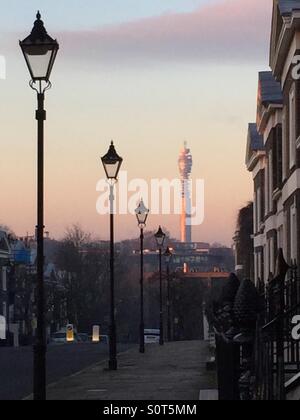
277	354
256	353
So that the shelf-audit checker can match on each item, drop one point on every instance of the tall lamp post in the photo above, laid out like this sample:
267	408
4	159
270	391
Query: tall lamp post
40	51
112	163
160	238
142	214
168	257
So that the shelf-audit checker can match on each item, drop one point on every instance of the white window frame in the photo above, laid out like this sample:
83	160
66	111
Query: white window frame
4	309
2	327
266	192
255	212
258	200
293	233
270	180
292	127
284	145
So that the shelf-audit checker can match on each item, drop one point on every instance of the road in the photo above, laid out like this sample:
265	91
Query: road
62	361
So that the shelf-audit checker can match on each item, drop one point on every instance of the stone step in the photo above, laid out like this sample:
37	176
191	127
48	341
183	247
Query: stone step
209	395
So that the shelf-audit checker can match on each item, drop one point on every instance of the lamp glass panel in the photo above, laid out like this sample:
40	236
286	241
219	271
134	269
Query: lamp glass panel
142	217
160	240
112	169
39	64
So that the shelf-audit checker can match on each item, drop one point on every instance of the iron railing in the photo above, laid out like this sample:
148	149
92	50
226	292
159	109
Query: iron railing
277	354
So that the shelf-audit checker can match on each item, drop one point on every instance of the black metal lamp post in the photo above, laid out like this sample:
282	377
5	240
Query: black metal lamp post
168	256
160	238
112	163
40	51
142	214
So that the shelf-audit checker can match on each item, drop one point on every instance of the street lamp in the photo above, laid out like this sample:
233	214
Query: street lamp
160	238
142	214
40	51
112	163
168	256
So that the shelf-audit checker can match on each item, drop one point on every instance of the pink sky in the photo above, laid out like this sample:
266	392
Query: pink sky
228	30
149	85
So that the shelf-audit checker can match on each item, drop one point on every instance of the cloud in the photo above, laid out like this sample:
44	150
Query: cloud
230	31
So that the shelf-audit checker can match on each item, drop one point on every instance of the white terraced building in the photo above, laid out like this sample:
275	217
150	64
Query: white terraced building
273	146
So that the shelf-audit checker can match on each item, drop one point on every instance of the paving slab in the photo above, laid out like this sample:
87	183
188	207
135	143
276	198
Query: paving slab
175	371
209	395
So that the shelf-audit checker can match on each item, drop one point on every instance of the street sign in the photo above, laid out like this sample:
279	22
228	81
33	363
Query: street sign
70	333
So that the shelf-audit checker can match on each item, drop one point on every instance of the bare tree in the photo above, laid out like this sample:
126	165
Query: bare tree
7	229
77	236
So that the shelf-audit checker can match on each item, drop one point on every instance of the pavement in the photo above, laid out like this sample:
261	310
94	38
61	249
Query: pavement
173	372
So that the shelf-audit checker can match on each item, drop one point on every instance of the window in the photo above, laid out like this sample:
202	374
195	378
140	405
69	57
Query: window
3	243
4	310
259	267
293	237
271	256
280	237
255	268
2	327
258	200
285	234
270	176
255	213
265	267
267	185
292	127
4	282
278	157
284	146
268	259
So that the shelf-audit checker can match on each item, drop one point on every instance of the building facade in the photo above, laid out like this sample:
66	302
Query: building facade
4	292
17	290
273	147
194	257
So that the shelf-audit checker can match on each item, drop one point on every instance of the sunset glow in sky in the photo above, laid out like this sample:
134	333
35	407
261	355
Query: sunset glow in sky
149	74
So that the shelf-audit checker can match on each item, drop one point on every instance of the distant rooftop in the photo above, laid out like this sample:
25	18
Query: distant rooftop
269	89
